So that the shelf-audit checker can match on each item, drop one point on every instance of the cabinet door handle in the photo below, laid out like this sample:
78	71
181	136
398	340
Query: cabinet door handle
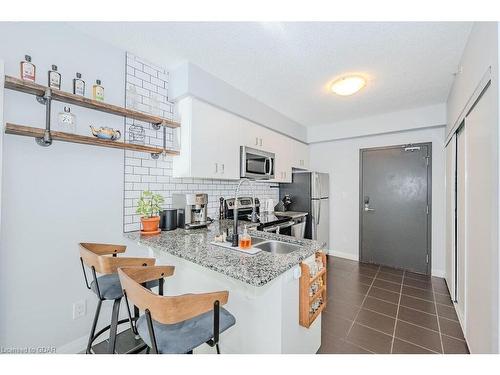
222	166
256	141
216	168
260	142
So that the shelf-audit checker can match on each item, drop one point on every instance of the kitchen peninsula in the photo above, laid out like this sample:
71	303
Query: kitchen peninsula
263	288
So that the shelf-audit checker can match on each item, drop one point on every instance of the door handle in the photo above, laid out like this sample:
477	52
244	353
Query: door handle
368	209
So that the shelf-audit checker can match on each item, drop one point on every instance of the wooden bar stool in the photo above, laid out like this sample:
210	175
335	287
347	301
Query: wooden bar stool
174	324
102	259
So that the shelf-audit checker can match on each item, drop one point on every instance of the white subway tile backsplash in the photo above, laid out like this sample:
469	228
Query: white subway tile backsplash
144	173
153	72
149	86
144	77
141	170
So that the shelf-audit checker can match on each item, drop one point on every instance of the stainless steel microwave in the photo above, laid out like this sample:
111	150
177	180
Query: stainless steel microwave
256	164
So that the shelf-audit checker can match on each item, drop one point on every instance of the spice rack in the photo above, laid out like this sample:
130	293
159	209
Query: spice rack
44	137
306	300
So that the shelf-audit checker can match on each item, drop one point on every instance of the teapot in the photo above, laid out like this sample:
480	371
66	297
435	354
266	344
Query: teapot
106	133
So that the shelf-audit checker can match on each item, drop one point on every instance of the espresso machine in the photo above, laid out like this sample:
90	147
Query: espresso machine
191	210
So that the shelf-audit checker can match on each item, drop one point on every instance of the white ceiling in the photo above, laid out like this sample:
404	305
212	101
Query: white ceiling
288	65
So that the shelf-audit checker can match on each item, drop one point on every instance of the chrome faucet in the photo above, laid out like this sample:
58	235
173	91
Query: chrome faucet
254	218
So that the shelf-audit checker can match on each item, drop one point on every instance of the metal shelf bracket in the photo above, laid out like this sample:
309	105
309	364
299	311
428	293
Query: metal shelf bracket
46	100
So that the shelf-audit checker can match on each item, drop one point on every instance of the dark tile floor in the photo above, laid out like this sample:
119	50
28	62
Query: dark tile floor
376	309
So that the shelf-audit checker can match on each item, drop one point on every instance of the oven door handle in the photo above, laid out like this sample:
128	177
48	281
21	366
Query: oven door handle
271	229
278	227
286	225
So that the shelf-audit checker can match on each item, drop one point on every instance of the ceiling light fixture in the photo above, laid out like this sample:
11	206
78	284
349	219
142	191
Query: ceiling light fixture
348	85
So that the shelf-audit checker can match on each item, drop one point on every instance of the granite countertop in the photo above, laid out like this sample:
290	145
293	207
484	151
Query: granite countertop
257	270
292	214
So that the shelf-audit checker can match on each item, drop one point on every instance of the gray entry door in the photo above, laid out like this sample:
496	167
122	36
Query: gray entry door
395	206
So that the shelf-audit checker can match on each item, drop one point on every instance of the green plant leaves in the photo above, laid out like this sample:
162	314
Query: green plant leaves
149	204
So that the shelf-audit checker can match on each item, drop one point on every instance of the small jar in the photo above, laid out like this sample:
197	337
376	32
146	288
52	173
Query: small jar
67	121
136	134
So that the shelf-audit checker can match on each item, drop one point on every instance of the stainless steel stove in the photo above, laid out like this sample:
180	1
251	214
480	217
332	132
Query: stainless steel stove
268	222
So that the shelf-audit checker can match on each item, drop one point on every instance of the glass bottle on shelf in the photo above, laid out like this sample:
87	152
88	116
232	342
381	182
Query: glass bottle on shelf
54	78
132	97
28	69
67	121
78	85
98	91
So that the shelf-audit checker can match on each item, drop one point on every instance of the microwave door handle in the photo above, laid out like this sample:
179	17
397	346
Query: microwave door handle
269	162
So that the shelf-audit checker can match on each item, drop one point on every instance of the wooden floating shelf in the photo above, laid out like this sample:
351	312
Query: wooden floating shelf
17	84
29	131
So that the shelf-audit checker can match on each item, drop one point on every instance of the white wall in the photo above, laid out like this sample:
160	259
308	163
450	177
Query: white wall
189	79
55	197
341	160
481	54
415	118
1	138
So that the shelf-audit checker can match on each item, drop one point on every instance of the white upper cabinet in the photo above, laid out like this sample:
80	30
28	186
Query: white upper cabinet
300	155
208	148
210	140
258	137
283	161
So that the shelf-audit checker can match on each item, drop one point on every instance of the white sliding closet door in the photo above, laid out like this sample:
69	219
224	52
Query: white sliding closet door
481	263
1	134
461	170
450	215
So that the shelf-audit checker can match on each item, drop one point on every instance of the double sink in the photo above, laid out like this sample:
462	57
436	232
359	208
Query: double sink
273	246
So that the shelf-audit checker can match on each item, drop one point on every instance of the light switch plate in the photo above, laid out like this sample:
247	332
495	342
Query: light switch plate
79	309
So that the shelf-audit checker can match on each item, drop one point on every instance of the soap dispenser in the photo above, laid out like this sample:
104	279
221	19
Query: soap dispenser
245	239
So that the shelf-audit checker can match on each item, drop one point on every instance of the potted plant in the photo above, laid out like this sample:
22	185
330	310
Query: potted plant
149	206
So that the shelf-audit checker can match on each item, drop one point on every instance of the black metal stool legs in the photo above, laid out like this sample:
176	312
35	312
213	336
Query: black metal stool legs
114	326
94	325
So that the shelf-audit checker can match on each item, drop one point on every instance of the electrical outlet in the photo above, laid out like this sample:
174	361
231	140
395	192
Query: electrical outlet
79	309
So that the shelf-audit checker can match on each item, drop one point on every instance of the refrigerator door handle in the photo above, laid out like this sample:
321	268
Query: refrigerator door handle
319	210
316	208
318	185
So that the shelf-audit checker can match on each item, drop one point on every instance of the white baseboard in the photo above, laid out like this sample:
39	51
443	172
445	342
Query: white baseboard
73	347
344	255
80	344
351	256
438	273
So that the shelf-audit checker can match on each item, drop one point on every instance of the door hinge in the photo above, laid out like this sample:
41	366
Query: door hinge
427	258
427	160
427	209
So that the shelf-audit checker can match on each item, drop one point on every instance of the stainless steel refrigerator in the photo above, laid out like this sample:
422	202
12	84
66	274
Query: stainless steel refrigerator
309	192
